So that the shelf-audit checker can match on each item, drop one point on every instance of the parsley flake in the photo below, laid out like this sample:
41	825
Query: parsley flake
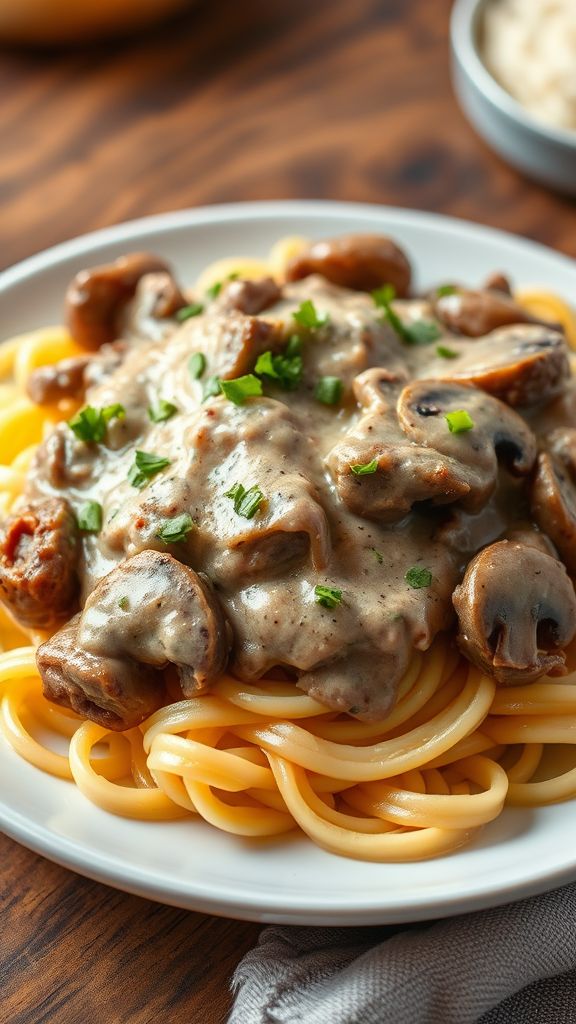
420	332
328	597
90	424
123	603
241	388
162	411
246	502
365	468
189	311
210	388
308	316
144	467
446	353
173	530
418	578
285	369
196	365
459	421
89	517
446	289
214	290
328	390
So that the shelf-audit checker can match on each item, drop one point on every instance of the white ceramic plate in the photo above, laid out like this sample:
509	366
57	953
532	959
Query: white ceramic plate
289	880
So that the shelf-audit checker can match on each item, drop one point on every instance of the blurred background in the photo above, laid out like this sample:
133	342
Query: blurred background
215	102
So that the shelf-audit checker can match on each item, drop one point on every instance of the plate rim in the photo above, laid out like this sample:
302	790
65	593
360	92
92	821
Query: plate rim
284	908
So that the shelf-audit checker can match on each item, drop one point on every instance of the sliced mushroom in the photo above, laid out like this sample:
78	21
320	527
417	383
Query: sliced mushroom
498	282
38	563
116	692
157	611
553	502
396	457
497	432
515	633
157	298
475	313
405	474
48	384
531	538
520	365
96	297
249	297
234	342
360	262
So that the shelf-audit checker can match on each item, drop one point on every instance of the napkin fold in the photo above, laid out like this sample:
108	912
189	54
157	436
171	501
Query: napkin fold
514	964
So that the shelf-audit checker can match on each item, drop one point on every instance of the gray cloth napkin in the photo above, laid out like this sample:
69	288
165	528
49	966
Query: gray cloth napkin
512	965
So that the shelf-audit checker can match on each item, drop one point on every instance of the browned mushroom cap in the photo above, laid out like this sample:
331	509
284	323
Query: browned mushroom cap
157	611
515	633
553	503
48	384
475	313
498	282
38	563
399	473
234	341
96	296
520	365
497	432
404	475
249	297
117	693
361	262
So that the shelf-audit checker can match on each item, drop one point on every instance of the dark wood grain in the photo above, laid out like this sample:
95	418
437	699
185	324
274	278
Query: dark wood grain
232	101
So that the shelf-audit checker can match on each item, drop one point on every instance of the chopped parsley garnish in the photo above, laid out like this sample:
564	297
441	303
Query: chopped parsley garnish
328	390
90	424
246	502
446	353
173	530
421	332
378	556
162	411
123	603
196	365
210	388
241	388
89	517
285	369
364	468
417	577
328	597
214	290
446	289
294	346
189	311
145	466
459	421
308	316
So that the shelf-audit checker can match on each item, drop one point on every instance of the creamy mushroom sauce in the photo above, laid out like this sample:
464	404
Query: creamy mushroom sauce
265	570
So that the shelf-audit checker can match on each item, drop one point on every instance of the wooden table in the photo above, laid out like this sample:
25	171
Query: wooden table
334	100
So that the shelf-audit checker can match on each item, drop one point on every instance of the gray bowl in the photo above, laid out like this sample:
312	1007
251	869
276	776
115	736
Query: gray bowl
544	153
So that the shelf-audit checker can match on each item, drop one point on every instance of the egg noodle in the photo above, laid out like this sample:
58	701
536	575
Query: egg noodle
260	760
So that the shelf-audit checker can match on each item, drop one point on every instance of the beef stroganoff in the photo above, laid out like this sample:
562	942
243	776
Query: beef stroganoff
263	540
